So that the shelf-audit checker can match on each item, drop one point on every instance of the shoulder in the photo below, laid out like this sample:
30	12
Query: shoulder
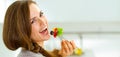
26	53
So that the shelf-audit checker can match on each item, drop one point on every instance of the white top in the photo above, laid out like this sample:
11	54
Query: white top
26	53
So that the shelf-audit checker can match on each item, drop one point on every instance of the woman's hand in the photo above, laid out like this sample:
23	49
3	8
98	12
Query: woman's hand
67	48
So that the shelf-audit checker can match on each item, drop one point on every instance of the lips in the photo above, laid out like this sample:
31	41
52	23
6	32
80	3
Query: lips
44	31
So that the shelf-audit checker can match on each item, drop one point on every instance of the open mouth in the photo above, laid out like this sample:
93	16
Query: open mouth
44	31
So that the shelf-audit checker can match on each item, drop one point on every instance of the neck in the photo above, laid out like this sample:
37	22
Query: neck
40	43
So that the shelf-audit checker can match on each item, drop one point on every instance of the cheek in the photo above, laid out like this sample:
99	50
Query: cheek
34	33
34	29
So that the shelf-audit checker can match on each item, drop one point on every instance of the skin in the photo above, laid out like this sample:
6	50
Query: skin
39	23
40	31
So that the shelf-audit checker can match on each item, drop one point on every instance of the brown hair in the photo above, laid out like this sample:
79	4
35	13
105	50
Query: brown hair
17	29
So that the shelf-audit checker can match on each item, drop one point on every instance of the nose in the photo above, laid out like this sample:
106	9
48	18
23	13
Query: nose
42	22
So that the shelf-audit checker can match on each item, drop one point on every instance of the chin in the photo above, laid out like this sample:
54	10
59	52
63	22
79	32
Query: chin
47	37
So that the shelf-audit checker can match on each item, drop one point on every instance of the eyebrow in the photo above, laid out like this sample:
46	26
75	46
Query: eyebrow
32	18
35	16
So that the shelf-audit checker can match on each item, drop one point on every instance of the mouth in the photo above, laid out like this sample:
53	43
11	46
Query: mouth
44	30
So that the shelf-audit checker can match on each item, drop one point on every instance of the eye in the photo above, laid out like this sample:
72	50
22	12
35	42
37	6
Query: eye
33	20
41	14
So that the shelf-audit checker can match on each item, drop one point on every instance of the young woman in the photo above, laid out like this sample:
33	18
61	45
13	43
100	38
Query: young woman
26	27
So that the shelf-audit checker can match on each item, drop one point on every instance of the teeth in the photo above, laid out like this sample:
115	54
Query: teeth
43	29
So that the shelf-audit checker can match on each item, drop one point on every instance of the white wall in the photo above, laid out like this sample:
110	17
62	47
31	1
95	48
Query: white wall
3	7
2	10
81	10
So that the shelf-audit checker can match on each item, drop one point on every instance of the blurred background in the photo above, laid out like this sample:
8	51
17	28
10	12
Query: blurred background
94	25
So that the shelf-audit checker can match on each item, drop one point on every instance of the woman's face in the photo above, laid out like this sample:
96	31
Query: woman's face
39	31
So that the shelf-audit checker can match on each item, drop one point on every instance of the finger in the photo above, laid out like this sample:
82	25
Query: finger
73	44
62	51
64	46
69	46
